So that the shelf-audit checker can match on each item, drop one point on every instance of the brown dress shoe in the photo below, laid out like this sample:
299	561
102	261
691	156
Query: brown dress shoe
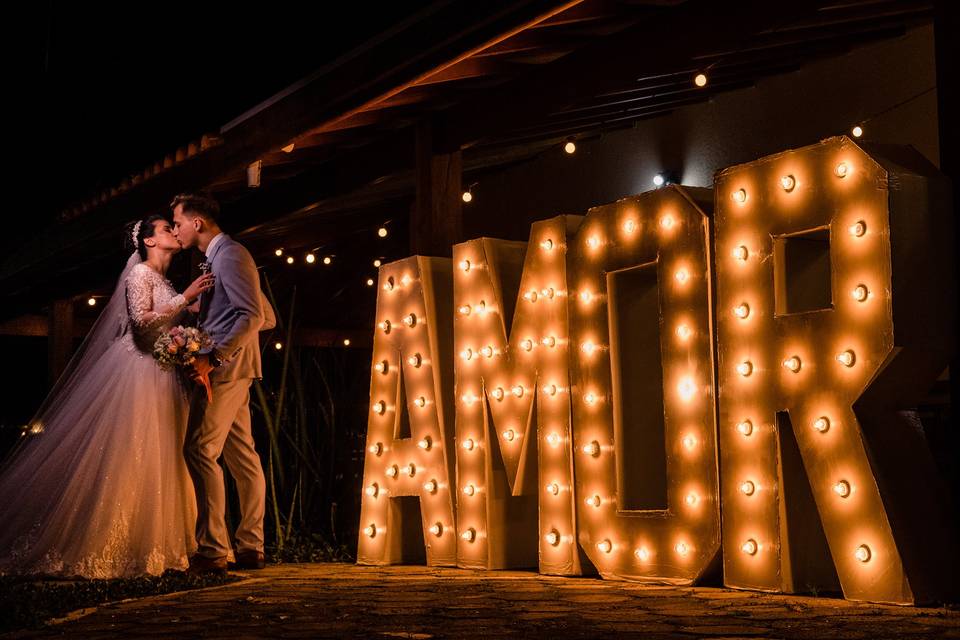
203	564
250	560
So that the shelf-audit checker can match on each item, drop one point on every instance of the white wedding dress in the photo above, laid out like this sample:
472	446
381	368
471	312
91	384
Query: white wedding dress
98	487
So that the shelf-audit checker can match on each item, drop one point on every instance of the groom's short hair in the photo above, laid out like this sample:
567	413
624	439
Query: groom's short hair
198	204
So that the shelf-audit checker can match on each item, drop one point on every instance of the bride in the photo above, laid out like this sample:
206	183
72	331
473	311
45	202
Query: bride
98	487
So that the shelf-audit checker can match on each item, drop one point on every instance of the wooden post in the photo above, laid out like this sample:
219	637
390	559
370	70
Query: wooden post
436	222
60	338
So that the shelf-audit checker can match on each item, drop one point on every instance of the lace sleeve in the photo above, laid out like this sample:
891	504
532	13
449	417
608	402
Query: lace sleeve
140	284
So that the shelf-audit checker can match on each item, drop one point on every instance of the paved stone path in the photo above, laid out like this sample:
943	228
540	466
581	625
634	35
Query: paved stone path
346	601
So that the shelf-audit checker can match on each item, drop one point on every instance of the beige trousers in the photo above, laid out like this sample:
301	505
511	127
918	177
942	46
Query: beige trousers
223	427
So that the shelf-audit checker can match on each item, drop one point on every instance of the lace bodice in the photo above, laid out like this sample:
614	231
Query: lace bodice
153	304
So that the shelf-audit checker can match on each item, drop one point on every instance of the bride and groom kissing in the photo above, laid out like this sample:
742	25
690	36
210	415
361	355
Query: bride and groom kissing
117	474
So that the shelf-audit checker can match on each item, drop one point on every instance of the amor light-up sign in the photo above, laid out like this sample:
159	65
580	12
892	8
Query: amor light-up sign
587	437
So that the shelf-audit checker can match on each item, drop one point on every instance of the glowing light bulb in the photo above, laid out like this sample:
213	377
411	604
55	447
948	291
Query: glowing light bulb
465	265
747	488
411	469
570	147
681	276
497	393
526	344
410	320
373	490
430	486
389	284
745	368
630	226
745	427
857	131
547	244
658	180
592	448
467	196
687	389
531	296
481	307
548	293
377	263
588	347
376	448
788	183
749	547
593	501
290	260
858	229
278	252
385	326
792	363
550	389
863	553
860	293
426	443
740	195
842	489
517	390
741	253
549	341
691	499
822	424
92	302
841	170
382	232
380	407
667	222
469	535
509	435
469	490
605	546
370	282
846	358
586	296
593	241
437	529
487	351
415	360
468	399
742	310
278	346
420	402
552	538
689	441
370	531
469	444
310	258
553	439
684	332
700	79
553	489
327	260
467	354
642	554
464	309
590	398
682	548
393	471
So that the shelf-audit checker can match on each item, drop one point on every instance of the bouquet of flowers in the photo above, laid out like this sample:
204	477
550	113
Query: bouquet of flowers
179	347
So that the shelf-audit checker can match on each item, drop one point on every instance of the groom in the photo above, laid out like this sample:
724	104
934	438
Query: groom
233	313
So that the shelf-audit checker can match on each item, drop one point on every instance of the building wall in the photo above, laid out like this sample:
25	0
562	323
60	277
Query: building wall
894	78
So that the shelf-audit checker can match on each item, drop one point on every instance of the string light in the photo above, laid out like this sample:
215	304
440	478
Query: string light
370	282
346	342
290	260
658	180
278	346
822	424
846	358
792	363
377	263
467	196
278	252
327	260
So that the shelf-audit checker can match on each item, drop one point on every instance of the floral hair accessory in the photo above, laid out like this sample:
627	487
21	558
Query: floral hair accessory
135	233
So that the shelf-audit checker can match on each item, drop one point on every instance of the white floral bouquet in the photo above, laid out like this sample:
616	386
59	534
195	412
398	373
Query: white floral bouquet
179	347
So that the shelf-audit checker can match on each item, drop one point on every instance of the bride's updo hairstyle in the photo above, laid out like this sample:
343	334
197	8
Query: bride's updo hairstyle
137	230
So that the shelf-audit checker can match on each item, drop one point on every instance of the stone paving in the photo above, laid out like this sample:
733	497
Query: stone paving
347	601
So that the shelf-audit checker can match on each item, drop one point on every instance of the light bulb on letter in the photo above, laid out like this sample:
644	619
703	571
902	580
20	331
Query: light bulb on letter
552	538
469	535
841	170
517	390
370	531
862	553
373	490
592	448
822	424
749	547
593	501
745	368
860	293
740	195
747	488
553	439
605	546
642	554
430	486
792	363
509	435
469	490
376	448
745	427
469	444
742	310
842	489
437	529
497	393
415	360
846	358
426	443
788	183
553	489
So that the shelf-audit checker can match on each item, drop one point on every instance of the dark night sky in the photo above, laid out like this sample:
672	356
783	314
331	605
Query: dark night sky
113	87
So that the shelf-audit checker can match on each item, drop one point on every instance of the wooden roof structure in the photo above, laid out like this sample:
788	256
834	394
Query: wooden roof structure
498	80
